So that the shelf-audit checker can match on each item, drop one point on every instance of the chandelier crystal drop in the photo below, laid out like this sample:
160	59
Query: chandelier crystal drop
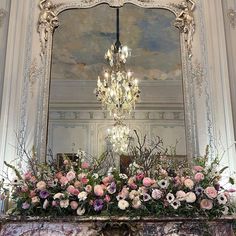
119	137
118	90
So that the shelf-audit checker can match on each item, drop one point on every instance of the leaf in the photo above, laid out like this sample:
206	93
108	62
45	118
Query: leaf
231	180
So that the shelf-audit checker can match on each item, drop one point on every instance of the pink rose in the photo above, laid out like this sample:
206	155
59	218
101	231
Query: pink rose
77	184
147	182
199	176
206	204
88	188
84	180
140	176
98	190
210	192
32	193
54	203
133	186
70	189
74	205
70	175
85	165
124	193
107	198
66	162
198	168
106	180
76	192
188	183
63	180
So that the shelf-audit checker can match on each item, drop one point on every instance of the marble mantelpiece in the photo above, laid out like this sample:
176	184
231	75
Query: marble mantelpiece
95	226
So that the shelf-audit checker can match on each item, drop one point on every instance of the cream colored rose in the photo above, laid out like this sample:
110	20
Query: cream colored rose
190	197
41	185
123	204
64	203
188	183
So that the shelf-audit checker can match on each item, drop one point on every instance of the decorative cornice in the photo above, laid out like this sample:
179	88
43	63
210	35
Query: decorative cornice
232	17
3	14
185	22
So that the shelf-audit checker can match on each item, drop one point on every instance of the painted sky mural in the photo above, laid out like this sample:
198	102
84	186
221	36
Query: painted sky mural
84	35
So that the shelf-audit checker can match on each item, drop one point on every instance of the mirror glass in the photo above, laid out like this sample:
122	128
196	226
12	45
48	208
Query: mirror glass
76	119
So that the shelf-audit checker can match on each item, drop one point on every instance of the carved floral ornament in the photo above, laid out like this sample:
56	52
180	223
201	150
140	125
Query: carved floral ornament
232	17
3	13
184	21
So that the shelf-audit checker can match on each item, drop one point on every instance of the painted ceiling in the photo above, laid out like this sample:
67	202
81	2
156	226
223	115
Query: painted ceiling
84	35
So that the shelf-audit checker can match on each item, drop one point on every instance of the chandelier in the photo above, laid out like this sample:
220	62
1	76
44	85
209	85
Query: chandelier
119	137
118	91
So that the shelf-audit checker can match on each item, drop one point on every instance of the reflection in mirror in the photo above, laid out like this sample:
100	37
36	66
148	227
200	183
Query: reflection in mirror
76	119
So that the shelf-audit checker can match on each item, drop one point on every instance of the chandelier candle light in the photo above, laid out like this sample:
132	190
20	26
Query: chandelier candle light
118	91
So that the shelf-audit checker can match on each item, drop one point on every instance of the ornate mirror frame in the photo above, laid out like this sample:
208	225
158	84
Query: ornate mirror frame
184	21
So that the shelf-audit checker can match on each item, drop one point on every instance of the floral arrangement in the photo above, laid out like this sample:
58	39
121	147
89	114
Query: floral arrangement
76	188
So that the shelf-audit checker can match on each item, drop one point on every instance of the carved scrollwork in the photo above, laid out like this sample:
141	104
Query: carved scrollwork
47	22
185	22
118	228
232	17
3	13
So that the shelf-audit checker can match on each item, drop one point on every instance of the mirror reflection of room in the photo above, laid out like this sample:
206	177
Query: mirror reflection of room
76	118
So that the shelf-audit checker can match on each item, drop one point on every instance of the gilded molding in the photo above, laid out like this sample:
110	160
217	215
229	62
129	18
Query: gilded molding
3	14
47	22
232	17
185	22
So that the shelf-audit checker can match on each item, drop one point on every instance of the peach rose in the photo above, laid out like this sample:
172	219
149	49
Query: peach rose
147	182
77	184
188	183
63	180
210	192
206	204
74	205
59	175
199	176
98	190
106	180
41	185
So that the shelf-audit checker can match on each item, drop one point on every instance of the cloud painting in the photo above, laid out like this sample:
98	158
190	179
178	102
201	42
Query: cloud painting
84	35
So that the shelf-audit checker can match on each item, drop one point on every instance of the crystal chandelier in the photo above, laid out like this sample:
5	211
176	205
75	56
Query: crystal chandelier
118	91
119	137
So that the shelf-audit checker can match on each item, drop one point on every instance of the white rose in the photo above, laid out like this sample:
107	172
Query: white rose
123	204
82	195
64	203
190	197
181	195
